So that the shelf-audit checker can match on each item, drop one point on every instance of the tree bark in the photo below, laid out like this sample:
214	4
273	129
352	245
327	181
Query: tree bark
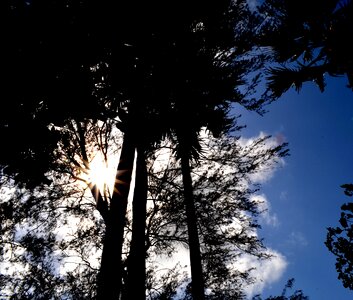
197	281
110	275
136	271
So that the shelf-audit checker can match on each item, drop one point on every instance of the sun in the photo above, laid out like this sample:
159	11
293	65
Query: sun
101	173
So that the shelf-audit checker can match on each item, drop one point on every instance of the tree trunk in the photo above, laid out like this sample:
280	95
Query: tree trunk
136	271
110	275
101	204
197	281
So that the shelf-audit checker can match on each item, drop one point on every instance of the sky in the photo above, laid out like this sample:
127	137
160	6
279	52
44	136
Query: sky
303	195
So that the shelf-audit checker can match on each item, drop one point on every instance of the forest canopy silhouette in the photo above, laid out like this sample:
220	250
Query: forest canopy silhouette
149	87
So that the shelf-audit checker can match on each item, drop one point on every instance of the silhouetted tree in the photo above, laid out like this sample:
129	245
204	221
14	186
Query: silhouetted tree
40	261
131	64
226	214
339	241
43	212
308	40
51	50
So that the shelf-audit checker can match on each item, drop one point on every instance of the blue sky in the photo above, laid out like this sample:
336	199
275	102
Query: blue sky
305	194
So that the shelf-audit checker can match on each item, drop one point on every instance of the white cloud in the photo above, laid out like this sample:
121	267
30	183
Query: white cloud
297	238
283	195
266	272
181	256
266	170
266	216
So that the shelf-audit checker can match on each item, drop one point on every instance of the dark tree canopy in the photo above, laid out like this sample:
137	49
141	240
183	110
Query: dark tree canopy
151	70
154	69
309	40
97	59
50	48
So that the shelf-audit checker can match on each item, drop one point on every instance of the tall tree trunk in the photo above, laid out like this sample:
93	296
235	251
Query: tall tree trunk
101	204
110	275
137	257
197	281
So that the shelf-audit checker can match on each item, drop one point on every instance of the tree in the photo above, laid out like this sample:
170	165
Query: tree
339	241
49	208
307	43
133	70
297	295
224	209
203	96
79	144
47	43
136	276
39	260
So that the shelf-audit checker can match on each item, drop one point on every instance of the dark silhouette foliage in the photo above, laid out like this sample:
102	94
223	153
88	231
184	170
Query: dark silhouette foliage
297	295
307	40
339	241
40	250
81	61
89	59
150	69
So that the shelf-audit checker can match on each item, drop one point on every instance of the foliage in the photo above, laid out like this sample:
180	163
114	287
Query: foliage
49	243
52	234
225	211
77	70
339	241
43	259
128	64
94	60
48	80
297	295
307	40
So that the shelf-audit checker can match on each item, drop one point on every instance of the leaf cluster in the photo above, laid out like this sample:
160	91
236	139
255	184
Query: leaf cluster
307	40
339	241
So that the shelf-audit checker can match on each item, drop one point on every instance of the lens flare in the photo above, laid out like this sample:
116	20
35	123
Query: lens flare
101	173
